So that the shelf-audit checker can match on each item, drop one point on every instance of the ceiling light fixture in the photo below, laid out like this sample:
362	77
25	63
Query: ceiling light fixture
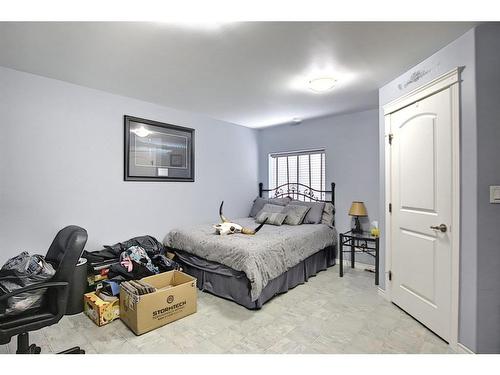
296	121
322	84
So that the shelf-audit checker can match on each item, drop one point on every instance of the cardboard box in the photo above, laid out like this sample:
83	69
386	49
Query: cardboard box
99	311
175	298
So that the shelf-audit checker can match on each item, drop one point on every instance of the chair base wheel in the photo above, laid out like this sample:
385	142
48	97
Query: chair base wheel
24	347
32	349
75	350
35	349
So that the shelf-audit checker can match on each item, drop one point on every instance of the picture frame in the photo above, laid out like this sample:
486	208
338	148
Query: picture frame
157	151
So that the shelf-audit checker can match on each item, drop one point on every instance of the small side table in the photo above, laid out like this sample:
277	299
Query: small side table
358	243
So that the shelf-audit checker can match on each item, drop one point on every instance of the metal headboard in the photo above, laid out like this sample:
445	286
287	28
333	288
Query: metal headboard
299	191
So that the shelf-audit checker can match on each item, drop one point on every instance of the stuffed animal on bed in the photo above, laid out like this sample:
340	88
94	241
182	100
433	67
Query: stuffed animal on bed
227	227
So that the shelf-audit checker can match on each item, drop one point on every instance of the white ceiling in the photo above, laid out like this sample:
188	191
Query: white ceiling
252	74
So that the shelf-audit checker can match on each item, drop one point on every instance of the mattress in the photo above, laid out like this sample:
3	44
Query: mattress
261	257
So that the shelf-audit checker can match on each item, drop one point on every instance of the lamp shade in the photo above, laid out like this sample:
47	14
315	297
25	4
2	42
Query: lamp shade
358	209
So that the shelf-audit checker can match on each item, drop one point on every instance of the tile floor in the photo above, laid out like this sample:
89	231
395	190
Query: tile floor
326	315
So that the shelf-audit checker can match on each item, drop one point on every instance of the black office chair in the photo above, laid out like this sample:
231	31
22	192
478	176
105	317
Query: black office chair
63	255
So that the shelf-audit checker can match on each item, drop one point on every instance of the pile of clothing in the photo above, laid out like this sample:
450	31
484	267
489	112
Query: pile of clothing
130	260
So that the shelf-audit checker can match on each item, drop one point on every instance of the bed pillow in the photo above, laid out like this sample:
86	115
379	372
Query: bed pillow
315	213
273	218
295	214
280	201
270	208
328	214
258	204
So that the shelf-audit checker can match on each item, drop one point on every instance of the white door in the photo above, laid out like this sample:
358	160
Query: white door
421	197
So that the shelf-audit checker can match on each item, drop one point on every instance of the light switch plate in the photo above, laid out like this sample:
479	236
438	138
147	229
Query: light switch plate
494	194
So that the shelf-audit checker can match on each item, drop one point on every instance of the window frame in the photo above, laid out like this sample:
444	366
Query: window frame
273	157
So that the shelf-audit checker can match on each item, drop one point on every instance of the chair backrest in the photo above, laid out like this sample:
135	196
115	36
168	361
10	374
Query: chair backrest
65	251
63	254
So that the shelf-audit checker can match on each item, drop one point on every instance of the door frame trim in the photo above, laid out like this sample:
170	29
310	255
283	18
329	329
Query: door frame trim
437	84
450	80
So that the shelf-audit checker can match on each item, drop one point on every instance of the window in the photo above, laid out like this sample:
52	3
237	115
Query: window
305	167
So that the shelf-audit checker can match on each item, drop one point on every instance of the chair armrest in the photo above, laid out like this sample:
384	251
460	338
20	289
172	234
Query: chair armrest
29	288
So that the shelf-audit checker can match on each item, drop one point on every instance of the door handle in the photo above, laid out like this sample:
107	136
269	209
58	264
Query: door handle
442	227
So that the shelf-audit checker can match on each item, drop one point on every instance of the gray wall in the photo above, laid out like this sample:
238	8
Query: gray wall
488	163
350	143
61	162
461	52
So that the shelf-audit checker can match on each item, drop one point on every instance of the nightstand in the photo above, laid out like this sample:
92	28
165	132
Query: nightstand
358	243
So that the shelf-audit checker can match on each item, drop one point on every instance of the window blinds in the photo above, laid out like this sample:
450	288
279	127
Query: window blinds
305	167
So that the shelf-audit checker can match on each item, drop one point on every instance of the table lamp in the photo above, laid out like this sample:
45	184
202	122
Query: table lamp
357	209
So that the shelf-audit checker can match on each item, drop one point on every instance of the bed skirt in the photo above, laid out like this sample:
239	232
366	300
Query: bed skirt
233	285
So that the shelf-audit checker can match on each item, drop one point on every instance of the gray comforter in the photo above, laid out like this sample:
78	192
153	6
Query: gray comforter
262	257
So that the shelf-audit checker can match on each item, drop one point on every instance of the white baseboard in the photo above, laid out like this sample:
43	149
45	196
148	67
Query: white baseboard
381	292
461	348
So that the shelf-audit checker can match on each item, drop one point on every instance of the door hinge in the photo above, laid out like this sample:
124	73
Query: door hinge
391	136
390	207
390	275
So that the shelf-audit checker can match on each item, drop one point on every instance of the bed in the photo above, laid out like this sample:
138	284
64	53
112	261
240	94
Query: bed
252	269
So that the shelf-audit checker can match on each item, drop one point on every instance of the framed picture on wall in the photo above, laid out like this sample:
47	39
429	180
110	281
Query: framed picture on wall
156	151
